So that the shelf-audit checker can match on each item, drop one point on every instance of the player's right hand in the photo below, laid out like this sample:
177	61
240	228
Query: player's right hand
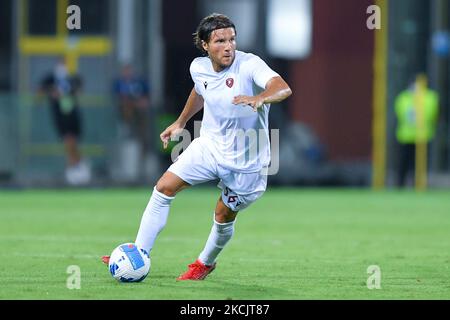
172	131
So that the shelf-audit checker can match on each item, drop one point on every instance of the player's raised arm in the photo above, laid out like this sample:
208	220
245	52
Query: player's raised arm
193	105
276	91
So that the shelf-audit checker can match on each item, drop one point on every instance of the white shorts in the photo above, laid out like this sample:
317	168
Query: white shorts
197	164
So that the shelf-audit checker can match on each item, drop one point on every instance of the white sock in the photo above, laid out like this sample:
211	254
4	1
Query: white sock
153	220
220	234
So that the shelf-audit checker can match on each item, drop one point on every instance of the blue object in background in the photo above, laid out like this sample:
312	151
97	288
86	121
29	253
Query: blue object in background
441	43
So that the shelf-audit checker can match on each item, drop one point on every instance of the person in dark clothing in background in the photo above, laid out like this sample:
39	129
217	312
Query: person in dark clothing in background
61	90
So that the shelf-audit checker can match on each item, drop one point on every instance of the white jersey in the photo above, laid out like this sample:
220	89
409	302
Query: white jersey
238	136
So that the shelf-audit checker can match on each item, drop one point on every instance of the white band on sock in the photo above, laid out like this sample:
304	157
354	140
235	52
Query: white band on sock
219	236
162	195
225	231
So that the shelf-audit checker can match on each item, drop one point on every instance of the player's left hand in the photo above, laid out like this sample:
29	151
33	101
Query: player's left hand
255	102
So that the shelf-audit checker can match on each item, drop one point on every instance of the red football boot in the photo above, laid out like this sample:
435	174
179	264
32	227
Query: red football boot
197	271
105	259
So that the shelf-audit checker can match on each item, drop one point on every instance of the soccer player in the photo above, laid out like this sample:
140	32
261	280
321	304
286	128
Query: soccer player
225	86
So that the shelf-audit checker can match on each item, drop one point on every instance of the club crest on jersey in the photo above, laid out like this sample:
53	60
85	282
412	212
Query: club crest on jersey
229	82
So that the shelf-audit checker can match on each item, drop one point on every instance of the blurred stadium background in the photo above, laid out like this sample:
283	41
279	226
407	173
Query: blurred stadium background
338	129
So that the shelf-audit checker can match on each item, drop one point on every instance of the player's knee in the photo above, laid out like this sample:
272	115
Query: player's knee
166	188
225	215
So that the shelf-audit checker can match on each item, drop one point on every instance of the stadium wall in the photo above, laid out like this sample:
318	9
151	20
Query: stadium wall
333	87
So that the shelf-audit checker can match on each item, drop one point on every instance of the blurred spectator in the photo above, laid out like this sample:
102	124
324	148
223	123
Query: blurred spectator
408	131
133	96
61	90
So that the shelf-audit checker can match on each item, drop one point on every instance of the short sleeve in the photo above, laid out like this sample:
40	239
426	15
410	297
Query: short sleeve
194	76
260	72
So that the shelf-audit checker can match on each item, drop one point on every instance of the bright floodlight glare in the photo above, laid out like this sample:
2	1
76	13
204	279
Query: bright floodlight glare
289	28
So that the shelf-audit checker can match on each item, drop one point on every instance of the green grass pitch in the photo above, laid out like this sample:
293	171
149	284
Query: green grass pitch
291	244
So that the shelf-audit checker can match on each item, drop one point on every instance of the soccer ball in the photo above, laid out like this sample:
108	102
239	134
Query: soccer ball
129	263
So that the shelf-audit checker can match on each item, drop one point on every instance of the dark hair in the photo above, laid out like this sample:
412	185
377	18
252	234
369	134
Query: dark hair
208	25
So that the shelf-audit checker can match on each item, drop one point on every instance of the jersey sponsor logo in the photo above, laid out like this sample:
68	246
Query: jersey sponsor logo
229	82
